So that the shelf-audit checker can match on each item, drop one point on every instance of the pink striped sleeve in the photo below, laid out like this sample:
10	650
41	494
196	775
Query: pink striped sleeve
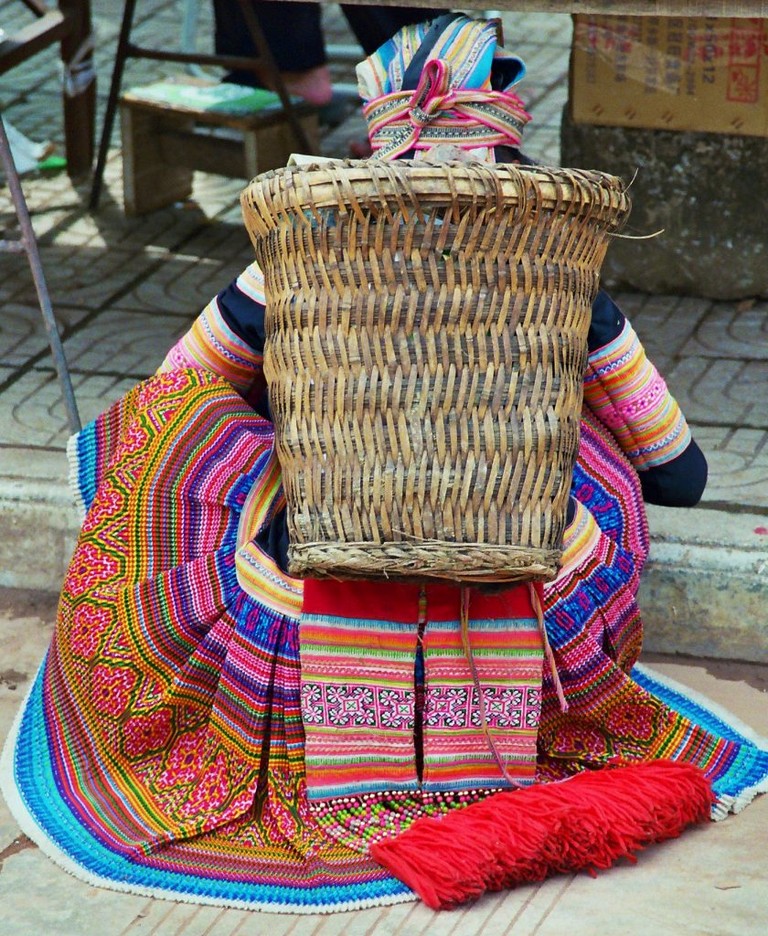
630	397
210	344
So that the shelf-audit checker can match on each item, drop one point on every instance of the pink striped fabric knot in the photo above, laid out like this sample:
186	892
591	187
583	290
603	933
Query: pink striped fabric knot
436	113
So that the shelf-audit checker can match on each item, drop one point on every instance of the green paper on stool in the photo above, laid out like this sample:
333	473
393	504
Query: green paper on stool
224	98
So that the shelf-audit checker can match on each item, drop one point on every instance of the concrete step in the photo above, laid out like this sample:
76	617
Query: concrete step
704	589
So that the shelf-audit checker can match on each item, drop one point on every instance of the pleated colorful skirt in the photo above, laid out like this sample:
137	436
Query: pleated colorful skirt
176	744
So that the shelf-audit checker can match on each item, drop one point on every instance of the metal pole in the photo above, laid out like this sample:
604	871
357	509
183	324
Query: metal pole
79	87
114	91
29	243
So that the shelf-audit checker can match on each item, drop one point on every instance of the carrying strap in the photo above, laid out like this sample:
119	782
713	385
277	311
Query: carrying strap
535	595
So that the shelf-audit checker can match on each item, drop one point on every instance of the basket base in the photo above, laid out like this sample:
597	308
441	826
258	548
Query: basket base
455	562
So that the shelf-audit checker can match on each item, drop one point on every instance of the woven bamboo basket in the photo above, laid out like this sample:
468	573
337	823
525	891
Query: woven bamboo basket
426	346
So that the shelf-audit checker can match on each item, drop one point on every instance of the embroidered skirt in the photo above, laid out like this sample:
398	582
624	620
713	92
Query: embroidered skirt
162	748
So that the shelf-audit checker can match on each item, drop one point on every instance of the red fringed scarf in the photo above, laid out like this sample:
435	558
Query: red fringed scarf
523	836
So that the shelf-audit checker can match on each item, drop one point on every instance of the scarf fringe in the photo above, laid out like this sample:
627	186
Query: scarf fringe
585	823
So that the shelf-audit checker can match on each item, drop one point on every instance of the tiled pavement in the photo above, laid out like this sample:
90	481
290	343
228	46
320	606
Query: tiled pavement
125	289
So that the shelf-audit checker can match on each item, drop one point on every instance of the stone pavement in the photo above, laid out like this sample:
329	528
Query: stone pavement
125	289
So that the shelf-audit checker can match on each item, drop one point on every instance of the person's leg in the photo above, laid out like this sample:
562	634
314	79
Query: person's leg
294	35
373	26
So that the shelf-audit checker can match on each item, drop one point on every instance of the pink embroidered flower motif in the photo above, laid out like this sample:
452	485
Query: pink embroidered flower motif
312	711
532	717
580	741
184	761
447	707
278	818
90	566
532	708
227	819
107	504
211	790
144	733
161	385
88	625
133	439
111	688
396	708
633	720
303	807
350	706
503	707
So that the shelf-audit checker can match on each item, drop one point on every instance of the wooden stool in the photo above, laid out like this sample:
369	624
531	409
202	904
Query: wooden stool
69	25
172	128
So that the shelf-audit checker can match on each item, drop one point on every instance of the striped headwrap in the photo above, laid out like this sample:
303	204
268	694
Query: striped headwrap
439	83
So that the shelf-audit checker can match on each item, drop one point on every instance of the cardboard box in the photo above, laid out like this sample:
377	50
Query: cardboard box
674	73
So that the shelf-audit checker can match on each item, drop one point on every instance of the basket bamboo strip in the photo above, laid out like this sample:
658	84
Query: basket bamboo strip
426	343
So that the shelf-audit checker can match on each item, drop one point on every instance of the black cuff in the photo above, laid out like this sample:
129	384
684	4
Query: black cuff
244	316
679	483
607	321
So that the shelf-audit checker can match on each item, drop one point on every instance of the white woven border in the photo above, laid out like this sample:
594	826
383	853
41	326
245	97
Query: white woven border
29	826
74	486
726	804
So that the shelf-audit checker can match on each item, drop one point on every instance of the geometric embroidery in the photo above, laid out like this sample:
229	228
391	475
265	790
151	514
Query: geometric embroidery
458	707
356	706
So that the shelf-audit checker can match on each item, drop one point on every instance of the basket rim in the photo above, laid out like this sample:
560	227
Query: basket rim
470	563
344	183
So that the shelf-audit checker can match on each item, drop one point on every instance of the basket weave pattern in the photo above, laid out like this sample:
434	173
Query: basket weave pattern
426	344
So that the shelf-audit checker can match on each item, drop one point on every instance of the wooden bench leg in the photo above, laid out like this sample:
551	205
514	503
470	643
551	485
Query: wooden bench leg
270	146
79	103
149	180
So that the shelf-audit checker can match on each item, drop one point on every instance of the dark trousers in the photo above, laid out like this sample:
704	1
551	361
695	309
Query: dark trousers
294	33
